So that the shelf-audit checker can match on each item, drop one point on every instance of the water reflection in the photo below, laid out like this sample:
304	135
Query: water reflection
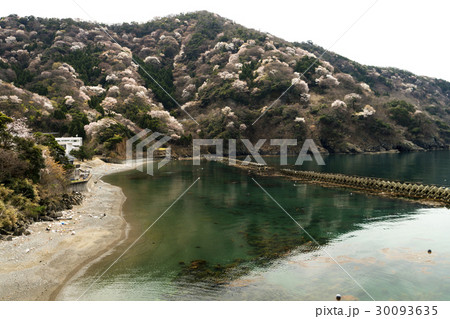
225	239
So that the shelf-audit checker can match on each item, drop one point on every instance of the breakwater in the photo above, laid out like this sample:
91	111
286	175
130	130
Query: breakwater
371	185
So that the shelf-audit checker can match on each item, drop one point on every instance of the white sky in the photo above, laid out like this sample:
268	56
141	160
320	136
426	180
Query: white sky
411	35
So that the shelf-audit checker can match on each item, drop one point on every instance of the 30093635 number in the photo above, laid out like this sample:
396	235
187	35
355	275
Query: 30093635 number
406	310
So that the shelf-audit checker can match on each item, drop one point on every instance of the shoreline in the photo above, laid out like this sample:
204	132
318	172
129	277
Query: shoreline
38	266
322	153
41	265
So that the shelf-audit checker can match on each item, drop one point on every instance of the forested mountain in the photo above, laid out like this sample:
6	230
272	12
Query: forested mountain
73	78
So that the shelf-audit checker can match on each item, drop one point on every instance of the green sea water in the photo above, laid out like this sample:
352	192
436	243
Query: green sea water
226	239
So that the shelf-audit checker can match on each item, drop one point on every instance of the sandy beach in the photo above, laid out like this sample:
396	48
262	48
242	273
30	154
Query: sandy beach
35	267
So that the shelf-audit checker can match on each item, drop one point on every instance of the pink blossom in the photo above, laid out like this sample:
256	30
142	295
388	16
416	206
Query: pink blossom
109	102
339	103
169	120
19	128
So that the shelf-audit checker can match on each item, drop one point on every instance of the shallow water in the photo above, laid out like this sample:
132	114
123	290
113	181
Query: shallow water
225	239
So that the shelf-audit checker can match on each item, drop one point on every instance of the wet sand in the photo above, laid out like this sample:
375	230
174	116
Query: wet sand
37	266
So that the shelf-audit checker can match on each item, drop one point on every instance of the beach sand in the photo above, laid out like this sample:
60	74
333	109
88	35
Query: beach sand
36	267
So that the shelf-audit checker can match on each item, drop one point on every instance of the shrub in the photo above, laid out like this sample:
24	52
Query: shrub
82	153
330	130
23	76
8	216
10	165
85	61
56	151
24	187
377	126
307	66
160	82
401	116
195	46
95	101
76	127
400	112
247	72
184	140
112	142
32	155
434	110
114	130
402	104
59	114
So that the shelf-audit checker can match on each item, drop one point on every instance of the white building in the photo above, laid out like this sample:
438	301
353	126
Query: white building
69	143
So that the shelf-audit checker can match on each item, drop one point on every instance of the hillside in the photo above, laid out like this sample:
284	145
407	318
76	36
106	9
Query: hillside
71	78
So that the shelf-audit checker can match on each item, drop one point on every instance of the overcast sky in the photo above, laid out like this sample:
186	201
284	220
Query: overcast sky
411	35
